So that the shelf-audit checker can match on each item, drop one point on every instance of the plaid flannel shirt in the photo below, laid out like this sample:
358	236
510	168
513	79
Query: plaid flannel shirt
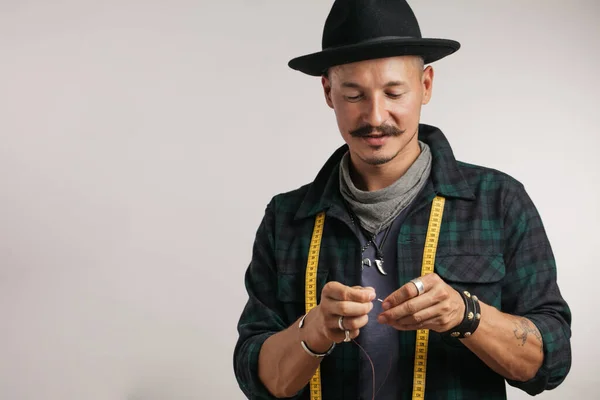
492	242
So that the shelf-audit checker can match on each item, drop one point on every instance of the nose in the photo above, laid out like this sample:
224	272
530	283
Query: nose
375	112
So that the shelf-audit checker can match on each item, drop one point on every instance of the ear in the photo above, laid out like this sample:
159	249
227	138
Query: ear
427	82
326	82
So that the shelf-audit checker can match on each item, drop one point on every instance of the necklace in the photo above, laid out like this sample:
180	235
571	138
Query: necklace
366	262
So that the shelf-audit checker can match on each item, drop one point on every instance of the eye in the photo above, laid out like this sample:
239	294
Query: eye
353	98
395	96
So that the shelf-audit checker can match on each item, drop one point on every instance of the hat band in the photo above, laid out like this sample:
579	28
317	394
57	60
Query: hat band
376	39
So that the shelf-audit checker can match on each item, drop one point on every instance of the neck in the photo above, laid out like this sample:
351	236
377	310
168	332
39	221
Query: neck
368	177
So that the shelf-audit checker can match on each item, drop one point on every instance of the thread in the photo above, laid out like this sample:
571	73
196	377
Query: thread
373	369
373	366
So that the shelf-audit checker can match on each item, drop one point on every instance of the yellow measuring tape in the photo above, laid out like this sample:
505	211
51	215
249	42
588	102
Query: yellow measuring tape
310	289
431	241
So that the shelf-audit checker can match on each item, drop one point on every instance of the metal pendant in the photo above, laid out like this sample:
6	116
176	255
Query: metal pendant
366	262
379	264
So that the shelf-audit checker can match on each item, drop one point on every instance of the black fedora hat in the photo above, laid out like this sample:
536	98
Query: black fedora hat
358	30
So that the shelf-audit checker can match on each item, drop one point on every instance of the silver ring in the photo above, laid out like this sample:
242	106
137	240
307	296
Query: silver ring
346	331
419	285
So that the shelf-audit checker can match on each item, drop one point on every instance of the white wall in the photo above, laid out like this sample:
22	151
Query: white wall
141	140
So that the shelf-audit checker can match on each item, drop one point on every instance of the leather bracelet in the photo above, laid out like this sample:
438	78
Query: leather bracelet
471	318
307	349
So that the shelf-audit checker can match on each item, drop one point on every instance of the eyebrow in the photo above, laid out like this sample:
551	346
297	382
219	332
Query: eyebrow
354	85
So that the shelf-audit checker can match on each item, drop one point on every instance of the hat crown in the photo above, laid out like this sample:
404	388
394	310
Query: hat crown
354	21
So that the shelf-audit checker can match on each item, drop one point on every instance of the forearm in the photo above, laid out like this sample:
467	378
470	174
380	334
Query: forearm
510	345
283	365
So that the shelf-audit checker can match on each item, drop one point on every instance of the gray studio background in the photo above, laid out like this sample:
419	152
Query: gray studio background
140	142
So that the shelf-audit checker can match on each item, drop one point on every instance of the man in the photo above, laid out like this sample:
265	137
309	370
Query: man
392	197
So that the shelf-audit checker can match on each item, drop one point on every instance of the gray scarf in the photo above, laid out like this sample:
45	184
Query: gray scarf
377	209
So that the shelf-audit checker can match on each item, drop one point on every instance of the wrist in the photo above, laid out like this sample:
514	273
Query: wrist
470	317
311	332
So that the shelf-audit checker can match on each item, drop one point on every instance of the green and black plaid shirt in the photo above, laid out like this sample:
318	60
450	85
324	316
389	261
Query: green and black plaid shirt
492	243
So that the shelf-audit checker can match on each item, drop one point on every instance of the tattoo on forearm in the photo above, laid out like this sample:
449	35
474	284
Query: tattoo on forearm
523	328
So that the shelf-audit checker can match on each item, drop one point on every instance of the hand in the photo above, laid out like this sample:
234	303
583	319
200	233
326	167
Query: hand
439	308
353	303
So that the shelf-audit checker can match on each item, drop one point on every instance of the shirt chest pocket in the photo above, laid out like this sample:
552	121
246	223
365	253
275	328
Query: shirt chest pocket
479	274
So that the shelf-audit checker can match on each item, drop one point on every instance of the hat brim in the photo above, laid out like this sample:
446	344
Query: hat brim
431	50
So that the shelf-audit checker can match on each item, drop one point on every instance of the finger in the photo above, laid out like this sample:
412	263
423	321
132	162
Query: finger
424	319
425	315
399	296
348	308
349	323
409	308
409	291
441	318
363	287
339	337
340	292
435	324
410	327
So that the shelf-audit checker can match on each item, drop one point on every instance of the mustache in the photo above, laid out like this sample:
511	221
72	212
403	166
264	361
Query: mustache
367	130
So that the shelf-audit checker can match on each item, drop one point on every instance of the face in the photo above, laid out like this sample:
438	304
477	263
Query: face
377	104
